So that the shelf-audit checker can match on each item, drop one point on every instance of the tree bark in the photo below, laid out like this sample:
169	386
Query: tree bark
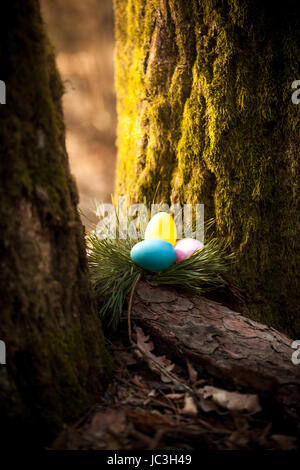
56	360
204	104
234	351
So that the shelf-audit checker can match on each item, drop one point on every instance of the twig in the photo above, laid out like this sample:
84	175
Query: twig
172	376
143	437
130	305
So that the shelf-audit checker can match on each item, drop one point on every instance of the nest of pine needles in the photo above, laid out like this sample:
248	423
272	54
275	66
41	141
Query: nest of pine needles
114	274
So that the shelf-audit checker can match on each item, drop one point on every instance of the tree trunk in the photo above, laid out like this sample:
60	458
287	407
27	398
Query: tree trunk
56	360
204	103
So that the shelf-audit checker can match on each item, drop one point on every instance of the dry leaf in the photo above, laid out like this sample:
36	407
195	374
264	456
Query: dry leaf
193	374
148	421
111	421
238	441
127	358
208	405
174	396
233	401
136	380
190	408
285	442
147	346
143	342
98	425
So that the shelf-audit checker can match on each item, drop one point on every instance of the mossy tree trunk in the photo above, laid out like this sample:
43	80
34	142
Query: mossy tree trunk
56	360
204	104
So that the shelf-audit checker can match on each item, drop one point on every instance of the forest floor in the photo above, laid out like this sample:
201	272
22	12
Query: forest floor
143	408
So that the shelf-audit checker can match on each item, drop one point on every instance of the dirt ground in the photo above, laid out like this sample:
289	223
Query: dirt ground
142	410
161	397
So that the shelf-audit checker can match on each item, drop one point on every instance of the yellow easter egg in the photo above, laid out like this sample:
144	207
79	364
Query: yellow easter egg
162	226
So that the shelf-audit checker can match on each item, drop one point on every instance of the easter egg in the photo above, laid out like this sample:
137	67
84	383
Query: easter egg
186	247
161	226
154	255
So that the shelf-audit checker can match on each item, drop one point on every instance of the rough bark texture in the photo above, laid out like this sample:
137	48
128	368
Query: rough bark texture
204	103
237	352
56	360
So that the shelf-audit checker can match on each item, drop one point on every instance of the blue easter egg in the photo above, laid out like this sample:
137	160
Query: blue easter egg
154	254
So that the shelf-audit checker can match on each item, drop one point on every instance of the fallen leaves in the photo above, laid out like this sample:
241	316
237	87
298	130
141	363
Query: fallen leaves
147	347
175	396
232	401
285	442
190	408
193	374
148	421
145	408
113	421
136	380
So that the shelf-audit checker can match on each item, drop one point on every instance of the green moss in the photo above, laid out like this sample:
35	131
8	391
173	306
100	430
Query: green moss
204	105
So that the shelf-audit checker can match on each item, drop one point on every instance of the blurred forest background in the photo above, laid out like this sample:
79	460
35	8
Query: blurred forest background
82	33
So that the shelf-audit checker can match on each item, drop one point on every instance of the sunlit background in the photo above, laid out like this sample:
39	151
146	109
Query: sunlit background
82	33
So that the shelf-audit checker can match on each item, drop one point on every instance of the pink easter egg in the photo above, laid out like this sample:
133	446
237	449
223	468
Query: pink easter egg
186	247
